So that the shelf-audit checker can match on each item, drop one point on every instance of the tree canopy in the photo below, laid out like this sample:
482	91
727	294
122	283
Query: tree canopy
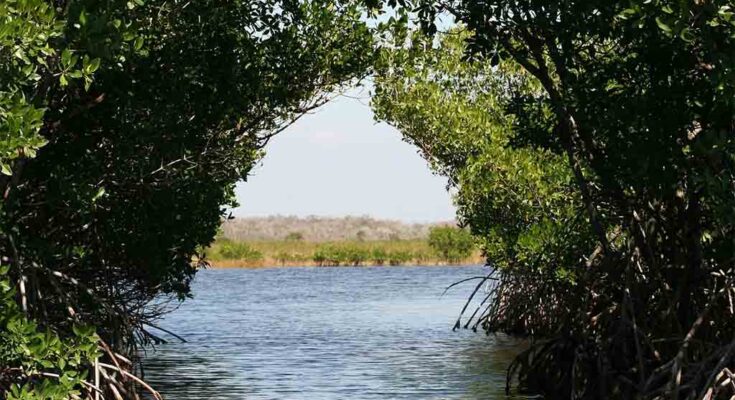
455	111
633	104
125	128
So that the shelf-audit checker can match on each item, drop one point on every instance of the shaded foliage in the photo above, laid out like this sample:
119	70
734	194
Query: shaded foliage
519	202
635	101
36	363
125	127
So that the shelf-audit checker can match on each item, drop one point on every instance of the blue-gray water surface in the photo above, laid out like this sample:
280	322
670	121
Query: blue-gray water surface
328	333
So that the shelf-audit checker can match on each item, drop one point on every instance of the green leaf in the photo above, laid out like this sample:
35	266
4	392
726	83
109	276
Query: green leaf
100	193
66	57
94	65
686	35
662	25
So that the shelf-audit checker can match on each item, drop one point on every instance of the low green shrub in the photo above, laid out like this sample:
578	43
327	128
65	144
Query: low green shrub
356	256
399	257
329	255
379	256
229	250
451	244
335	255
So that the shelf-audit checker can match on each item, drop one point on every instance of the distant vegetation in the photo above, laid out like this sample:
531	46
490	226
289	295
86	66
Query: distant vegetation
451	243
324	229
448	246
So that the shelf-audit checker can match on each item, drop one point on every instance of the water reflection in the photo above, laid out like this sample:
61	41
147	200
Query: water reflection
328	333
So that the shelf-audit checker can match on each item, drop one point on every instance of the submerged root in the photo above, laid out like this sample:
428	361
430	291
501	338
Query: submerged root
596	340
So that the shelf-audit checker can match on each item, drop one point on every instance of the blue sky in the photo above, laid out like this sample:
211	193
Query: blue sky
338	161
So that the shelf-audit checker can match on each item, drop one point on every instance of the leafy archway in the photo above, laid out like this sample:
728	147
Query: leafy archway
125	128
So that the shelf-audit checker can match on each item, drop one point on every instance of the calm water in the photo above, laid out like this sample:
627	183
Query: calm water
328	333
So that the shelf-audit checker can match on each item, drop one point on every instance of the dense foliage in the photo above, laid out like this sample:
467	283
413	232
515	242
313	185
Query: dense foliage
590	144
30	355
520	202
124	128
452	244
631	104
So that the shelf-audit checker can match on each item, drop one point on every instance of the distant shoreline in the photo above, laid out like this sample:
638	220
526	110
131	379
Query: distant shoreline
226	253
244	264
325	229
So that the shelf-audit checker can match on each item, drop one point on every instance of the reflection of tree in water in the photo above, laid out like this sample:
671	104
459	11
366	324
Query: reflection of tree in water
190	371
489	363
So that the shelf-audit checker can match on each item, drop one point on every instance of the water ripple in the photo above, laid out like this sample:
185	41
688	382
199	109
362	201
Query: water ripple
328	333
